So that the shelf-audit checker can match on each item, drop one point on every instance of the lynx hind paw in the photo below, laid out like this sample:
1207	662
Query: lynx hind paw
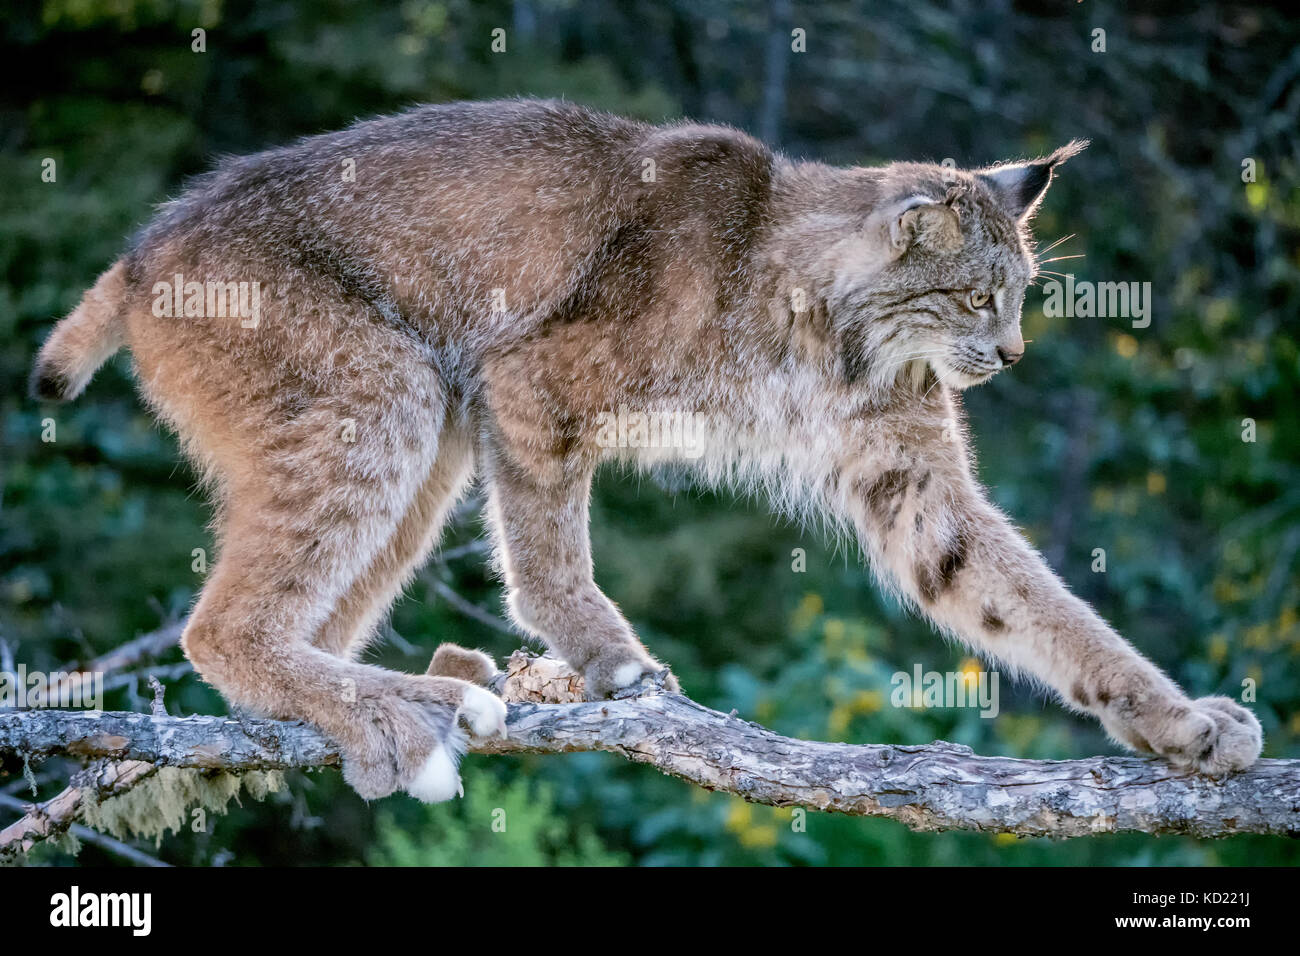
423	763
412	738
452	660
1218	737
439	779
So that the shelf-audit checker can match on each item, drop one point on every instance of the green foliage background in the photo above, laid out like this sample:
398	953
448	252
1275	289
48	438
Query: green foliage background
1130	440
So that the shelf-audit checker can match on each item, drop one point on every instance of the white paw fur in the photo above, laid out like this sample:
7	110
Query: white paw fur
438	779
484	712
628	674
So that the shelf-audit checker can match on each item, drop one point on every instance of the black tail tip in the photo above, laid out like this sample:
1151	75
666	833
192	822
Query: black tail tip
46	384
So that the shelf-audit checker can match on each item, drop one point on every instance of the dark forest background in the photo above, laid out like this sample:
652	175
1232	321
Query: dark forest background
1129	440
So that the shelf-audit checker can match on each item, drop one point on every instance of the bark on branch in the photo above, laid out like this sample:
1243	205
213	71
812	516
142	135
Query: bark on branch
939	786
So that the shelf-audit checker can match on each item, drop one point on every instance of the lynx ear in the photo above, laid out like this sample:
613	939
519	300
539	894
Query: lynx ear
921	221
1021	186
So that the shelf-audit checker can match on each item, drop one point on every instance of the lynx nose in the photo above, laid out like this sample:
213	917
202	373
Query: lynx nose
1011	347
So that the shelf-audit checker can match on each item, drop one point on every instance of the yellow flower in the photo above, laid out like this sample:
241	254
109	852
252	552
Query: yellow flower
868	701
1256	637
834	631
1218	312
740	821
1226	591
1257	195
808	610
1126	345
759	838
839	719
740	816
1286	621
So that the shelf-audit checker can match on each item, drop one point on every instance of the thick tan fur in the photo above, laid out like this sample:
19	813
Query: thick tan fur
471	290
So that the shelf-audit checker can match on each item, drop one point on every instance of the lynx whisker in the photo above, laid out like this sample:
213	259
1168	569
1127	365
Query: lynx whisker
1058	242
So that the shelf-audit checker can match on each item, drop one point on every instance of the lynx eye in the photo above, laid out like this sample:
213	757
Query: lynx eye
977	300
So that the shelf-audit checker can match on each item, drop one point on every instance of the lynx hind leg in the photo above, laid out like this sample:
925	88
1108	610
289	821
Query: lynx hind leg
249	637
372	594
312	498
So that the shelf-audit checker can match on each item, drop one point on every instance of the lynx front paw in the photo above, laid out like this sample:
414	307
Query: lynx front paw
621	668
1215	736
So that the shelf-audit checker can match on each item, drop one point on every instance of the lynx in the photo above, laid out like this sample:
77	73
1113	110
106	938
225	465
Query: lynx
468	290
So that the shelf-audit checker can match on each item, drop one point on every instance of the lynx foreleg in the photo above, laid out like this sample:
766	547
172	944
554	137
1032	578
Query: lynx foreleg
540	523
959	559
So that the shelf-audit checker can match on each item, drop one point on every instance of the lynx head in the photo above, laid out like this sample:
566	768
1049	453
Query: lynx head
936	275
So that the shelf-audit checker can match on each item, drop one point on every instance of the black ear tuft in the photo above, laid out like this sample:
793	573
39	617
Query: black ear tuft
1021	186
1032	184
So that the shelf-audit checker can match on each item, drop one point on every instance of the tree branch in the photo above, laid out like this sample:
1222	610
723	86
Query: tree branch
84	834
53	817
142	648
939	786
